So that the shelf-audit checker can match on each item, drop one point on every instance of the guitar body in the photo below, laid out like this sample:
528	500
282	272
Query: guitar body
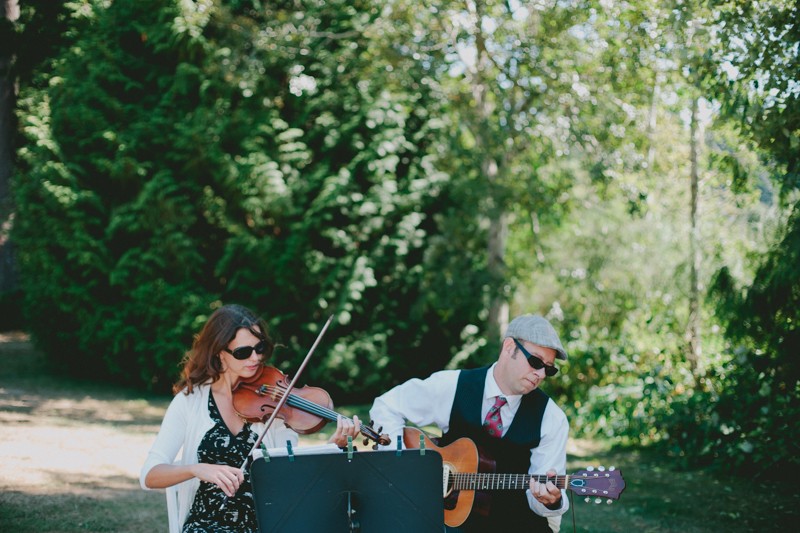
459	456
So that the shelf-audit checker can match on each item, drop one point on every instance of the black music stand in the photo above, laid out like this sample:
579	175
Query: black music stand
361	492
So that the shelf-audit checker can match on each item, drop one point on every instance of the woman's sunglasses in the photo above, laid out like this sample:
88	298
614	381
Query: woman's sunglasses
243	352
535	362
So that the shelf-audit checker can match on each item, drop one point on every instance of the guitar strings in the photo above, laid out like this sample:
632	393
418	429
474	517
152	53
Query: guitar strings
470	480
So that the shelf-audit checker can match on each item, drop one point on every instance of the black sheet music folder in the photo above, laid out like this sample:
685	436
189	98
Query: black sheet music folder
372	491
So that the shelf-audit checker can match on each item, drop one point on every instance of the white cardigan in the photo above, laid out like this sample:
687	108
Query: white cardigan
186	422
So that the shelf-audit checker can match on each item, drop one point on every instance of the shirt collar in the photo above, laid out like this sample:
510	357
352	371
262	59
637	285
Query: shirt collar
491	390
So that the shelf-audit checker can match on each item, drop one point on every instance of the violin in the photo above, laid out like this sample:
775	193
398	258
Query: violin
306	410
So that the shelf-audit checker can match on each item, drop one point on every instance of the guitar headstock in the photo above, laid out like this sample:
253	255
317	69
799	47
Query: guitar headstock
600	483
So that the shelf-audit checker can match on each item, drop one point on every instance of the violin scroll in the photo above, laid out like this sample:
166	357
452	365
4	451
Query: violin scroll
377	437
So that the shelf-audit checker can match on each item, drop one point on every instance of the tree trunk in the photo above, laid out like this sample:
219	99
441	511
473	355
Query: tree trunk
498	218
693	326
497	321
652	116
9	12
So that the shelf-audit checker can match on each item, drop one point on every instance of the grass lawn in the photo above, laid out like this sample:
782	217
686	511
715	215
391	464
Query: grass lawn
71	454
658	497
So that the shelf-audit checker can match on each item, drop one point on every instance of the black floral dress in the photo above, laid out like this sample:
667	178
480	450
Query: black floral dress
220	446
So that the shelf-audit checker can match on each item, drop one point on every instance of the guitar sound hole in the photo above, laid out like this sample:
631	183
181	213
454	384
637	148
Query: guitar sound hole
451	501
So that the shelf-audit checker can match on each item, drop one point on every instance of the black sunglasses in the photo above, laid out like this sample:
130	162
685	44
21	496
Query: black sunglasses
243	352
535	362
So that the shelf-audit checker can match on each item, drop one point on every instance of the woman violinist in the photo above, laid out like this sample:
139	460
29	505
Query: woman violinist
206	487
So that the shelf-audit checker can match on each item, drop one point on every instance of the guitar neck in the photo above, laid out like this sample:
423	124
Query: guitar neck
479	481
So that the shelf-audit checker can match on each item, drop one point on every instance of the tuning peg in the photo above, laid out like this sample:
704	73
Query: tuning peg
587	500
590	469
609	501
612	468
598	500
601	468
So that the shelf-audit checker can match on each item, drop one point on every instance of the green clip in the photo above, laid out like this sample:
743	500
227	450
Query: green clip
349	447
289	451
422	444
264	452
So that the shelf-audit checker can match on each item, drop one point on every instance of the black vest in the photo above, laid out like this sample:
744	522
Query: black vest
509	509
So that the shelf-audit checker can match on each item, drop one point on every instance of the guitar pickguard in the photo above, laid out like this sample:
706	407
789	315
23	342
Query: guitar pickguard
446	471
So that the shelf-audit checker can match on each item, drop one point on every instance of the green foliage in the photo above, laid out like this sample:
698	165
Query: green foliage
742	418
43	30
746	420
612	271
188	153
612	268
757	51
359	233
353	159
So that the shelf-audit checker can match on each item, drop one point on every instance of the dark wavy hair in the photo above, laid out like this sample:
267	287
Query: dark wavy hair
201	363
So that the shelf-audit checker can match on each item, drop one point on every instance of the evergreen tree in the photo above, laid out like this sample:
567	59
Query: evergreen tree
188	154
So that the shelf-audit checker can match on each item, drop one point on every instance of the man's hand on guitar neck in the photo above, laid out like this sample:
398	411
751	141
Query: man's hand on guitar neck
547	493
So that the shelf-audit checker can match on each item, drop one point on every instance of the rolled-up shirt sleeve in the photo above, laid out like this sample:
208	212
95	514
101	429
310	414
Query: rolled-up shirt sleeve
551	453
419	401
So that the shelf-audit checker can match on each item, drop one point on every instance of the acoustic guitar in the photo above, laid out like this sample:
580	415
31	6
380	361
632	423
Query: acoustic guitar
467	474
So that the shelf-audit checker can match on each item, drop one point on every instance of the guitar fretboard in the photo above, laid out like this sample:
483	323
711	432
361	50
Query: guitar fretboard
468	481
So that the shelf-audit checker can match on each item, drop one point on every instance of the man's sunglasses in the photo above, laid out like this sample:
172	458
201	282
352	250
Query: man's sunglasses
534	361
243	352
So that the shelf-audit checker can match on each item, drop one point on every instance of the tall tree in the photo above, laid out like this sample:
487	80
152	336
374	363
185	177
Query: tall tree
516	75
693	323
191	153
621	269
30	36
752	70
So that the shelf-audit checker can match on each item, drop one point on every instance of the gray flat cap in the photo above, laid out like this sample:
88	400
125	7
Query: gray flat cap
536	329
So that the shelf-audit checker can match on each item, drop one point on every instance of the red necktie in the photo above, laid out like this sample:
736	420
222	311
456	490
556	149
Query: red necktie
493	424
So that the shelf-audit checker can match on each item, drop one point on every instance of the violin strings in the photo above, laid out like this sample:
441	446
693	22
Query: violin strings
311	407
296	401
314	408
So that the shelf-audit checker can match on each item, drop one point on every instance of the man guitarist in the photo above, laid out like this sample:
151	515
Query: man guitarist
528	430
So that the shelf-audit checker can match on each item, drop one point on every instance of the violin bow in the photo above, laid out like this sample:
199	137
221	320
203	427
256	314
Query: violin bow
285	396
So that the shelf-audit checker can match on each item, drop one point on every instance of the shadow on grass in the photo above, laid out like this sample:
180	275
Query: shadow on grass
28	391
659	497
131	510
